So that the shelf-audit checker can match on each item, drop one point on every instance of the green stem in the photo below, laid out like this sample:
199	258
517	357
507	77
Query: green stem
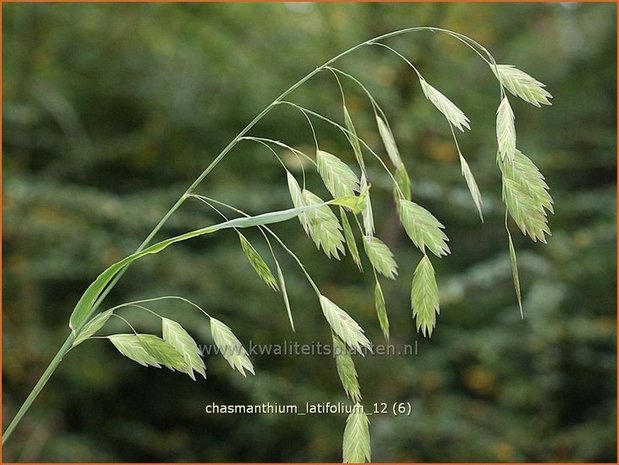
69	341
47	374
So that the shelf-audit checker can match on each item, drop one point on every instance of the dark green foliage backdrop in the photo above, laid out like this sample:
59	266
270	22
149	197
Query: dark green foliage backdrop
110	111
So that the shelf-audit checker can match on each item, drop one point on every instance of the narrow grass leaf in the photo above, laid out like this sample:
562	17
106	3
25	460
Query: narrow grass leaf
323	226
403	183
472	185
453	114
258	263
175	335
346	369
230	347
356	443
164	353
381	310
353	139
522	85
380	256
353	203
130	346
351	243
526	196
92	327
84	306
338	178
282	286
423	228
389	142
343	325
424	297
516	277
505	130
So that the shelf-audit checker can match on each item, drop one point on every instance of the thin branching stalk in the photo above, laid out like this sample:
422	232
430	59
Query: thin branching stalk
516	169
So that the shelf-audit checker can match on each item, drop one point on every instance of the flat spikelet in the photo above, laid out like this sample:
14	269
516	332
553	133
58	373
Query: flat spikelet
323	226
230	347
424	297
342	324
295	193
163	352
346	370
353	138
472	185
351	243
258	263
403	182
389	142
381	310
150	350
380	256
92	327
282	286
356	444
505	130
423	228
515	276
320	224
175	335
338	178
130	346
453	114
367	214
522	85
526	196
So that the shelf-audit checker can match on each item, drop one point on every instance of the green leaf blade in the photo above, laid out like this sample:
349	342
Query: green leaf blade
84	306
352	203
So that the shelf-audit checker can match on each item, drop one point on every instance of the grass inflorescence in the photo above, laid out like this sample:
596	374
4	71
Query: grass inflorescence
340	224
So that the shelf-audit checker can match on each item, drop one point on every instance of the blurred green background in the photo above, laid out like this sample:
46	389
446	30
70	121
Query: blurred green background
110	111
